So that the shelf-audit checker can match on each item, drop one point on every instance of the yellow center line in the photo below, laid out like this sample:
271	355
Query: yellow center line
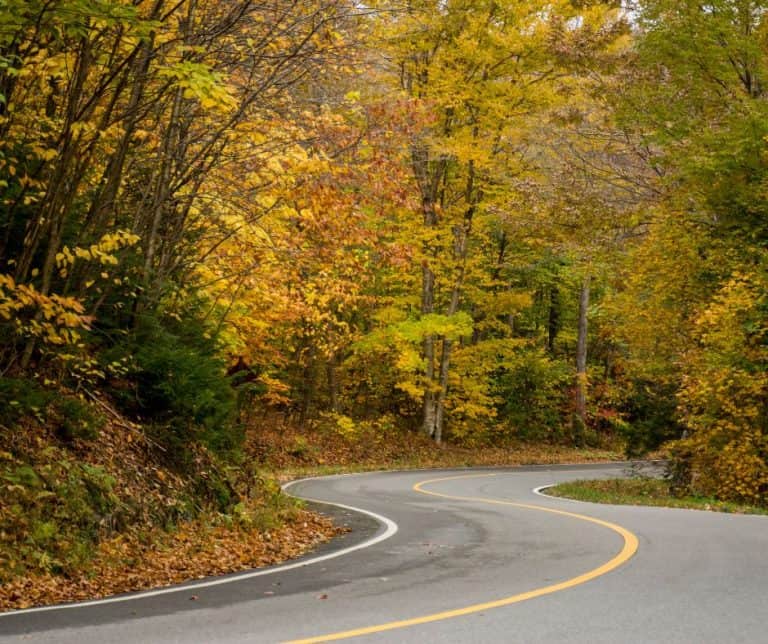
627	551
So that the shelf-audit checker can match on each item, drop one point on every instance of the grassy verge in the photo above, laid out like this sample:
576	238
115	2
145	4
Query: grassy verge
644	491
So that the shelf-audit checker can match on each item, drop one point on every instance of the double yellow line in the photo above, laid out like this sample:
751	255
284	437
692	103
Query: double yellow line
629	548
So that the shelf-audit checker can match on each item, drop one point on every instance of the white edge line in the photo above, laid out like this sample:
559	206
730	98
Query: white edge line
538	490
390	529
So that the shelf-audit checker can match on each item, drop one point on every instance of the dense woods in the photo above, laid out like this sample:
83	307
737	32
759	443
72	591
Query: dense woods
482	221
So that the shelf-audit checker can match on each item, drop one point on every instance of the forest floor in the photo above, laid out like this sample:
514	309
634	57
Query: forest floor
288	453
193	550
92	519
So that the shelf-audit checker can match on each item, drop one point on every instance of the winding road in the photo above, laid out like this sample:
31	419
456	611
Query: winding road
462	556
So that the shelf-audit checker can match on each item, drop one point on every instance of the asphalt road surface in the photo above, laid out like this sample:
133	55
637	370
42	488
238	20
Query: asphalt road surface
465	556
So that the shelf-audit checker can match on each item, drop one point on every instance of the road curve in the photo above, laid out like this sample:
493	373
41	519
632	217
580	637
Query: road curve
477	557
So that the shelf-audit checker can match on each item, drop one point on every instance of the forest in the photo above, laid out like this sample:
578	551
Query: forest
404	224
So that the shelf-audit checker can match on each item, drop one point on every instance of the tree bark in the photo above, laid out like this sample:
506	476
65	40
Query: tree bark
460	248
553	319
429	186
427	306
333	384
581	355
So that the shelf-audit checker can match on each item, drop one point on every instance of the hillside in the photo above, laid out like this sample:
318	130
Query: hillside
88	517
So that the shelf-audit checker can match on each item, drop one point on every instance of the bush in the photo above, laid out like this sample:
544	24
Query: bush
649	415
68	416
178	383
534	396
52	513
74	419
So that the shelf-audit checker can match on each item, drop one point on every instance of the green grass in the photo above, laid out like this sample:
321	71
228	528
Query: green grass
644	491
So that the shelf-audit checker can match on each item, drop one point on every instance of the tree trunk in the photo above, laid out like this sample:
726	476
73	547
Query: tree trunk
427	305
429	186
581	357
445	360
333	384
553	320
59	193
308	386
103	203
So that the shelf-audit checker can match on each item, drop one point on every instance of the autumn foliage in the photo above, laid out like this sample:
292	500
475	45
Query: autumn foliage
474	222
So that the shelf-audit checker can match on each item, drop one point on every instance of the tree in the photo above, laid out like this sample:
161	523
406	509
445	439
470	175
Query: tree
481	71
116	117
699	75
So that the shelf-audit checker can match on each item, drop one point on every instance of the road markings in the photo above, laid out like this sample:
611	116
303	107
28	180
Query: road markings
627	551
390	528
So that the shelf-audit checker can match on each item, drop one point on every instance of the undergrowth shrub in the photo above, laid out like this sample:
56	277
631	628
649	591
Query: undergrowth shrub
649	417
55	510
52	512
177	382
261	502
534	395
73	419
68	416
